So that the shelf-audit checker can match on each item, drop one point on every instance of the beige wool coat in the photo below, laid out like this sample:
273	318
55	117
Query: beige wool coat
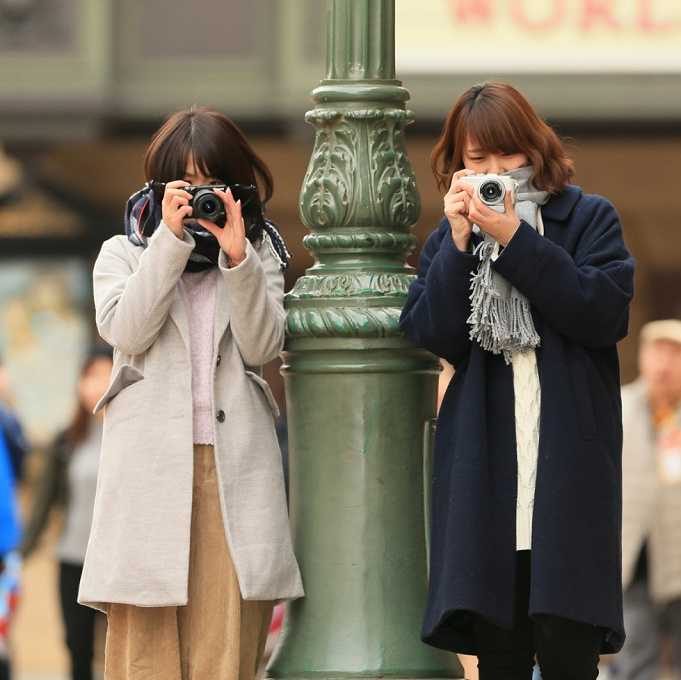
651	510
138	552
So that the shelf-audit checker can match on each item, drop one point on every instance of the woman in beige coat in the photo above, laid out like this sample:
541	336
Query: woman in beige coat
188	551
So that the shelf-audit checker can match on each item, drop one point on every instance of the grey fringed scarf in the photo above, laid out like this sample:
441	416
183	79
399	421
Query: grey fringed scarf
500	319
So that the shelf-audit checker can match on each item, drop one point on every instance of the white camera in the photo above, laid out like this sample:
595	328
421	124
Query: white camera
491	189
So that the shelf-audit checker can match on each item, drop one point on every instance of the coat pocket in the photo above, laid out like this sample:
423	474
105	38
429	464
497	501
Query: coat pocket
262	383
583	401
125	376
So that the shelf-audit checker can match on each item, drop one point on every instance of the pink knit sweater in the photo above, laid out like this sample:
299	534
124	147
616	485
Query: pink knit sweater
198	291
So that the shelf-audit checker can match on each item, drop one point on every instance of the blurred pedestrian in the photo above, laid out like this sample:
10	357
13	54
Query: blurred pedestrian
651	528
190	542
526	298
15	439
68	482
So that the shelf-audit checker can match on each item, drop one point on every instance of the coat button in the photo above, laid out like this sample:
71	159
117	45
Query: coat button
220	415
217	363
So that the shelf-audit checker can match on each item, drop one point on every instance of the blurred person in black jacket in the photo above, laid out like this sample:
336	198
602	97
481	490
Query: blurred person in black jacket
68	481
12	430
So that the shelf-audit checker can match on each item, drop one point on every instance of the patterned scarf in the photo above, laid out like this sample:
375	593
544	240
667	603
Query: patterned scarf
143	216
500	319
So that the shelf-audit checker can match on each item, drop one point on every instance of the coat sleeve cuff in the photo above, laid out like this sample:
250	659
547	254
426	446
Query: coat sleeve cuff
165	236
245	264
457	264
518	261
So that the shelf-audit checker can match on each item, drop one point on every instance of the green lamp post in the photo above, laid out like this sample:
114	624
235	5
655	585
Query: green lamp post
361	398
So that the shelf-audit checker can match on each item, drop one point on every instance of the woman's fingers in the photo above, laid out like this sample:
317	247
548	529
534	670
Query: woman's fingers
456	203
231	237
175	206
177	202
509	206
232	207
175	188
459	174
175	197
456	186
459	196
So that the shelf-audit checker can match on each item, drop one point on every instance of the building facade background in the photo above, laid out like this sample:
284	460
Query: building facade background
84	83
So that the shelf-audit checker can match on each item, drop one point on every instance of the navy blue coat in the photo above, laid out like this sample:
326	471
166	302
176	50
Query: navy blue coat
578	278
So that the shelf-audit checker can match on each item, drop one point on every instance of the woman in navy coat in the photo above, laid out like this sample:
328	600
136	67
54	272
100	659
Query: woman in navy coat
527	299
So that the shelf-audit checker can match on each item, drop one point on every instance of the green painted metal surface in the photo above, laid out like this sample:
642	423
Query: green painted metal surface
361	398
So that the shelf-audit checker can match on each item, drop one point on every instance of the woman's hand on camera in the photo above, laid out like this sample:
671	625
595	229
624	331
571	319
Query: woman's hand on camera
457	200
500	226
175	206
232	237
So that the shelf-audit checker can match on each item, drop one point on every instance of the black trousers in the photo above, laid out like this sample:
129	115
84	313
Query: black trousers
565	649
79	622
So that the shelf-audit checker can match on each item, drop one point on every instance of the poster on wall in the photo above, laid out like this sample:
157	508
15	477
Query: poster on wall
44	334
538	36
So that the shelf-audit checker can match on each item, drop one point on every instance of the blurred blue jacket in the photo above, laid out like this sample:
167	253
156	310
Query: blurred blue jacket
10	526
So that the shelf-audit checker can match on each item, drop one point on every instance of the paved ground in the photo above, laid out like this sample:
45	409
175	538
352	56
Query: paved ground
38	650
37	630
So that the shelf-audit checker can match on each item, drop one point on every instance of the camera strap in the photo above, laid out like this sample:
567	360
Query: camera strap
142	215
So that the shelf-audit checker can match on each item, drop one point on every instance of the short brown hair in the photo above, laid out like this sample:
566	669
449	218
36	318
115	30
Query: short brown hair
498	119
77	430
218	146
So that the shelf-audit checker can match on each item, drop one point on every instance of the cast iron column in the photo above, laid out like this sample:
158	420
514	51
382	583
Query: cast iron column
361	398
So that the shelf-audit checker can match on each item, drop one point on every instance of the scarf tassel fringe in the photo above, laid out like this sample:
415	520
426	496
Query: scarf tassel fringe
500	326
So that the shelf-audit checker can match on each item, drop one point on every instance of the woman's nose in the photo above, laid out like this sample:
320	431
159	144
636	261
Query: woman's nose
496	167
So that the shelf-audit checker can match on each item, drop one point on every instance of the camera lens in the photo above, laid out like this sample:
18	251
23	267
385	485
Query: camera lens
207	205
491	192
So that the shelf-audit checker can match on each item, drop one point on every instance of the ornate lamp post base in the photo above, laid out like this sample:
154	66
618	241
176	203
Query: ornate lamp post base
361	398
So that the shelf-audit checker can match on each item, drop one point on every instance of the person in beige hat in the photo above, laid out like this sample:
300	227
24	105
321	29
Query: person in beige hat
651	523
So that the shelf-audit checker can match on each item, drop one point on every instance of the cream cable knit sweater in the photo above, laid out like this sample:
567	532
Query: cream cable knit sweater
527	407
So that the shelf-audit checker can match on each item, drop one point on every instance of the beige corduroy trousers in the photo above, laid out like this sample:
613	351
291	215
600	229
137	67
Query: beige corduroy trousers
217	634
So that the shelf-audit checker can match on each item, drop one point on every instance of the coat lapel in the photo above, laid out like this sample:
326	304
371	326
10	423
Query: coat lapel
222	313
178	314
559	207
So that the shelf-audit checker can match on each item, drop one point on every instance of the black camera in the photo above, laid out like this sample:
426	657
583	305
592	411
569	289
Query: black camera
207	205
